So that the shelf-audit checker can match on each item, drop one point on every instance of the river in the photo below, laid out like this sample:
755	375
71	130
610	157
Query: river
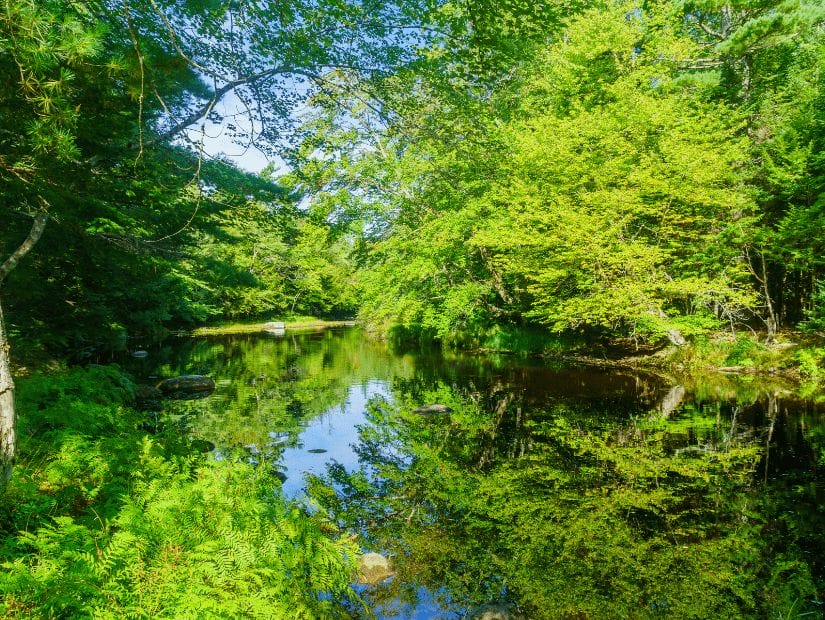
545	490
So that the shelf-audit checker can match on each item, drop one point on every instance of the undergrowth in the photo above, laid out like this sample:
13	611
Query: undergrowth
102	520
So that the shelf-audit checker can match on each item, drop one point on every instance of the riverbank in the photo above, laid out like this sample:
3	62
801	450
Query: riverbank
294	323
792	356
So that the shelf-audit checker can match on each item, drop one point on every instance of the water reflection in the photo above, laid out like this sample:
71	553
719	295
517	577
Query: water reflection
550	492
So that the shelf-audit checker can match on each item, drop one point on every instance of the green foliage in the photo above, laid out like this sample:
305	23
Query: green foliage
742	351
633	169
811	362
102	522
573	514
615	199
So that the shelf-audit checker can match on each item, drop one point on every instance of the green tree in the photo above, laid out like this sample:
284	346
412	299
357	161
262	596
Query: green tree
101	89
44	50
594	190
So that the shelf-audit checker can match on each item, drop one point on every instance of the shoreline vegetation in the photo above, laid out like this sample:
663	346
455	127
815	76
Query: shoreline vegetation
793	356
256	327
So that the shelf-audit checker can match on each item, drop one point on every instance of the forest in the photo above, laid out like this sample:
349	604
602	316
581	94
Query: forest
509	175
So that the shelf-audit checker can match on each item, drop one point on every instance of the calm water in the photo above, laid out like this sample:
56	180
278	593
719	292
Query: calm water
549	492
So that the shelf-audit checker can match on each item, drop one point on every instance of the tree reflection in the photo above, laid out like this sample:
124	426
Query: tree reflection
567	512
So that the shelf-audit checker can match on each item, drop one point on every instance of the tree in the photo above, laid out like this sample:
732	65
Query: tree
101	89
593	189
44	46
762	58
621	191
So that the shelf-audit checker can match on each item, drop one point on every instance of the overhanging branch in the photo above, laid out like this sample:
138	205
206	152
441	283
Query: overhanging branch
35	233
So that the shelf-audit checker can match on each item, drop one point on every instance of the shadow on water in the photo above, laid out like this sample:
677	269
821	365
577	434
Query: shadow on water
544	492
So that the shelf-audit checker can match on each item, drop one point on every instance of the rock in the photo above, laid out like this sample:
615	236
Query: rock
140	353
186	383
432	409
676	337
275	325
373	568
494	612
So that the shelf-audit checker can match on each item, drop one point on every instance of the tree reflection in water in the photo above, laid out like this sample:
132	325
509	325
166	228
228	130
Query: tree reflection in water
560	492
697	510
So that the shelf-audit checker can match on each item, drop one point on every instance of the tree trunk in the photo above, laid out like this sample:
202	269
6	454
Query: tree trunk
7	436
7	413
771	323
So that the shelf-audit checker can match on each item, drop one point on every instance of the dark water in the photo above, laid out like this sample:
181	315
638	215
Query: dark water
546	491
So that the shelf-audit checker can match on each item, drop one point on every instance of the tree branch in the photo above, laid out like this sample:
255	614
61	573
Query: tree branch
711	31
34	236
221	92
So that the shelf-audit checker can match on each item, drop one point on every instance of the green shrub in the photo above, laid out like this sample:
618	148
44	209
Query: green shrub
811	362
743	352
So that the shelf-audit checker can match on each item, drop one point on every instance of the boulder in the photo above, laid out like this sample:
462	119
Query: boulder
432	409
373	568
186	384
275	325
494	612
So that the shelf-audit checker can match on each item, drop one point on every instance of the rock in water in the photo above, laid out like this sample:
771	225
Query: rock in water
432	409
275	325
187	383
494	612
373	568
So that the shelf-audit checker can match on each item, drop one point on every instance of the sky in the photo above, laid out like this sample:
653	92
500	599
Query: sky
218	140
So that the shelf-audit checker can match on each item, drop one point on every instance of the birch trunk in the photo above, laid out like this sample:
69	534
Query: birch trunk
8	439
7	419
